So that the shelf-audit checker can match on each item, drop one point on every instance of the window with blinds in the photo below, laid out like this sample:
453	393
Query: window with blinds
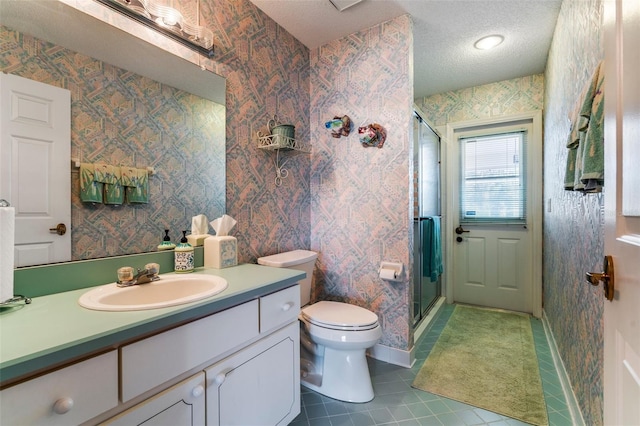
493	183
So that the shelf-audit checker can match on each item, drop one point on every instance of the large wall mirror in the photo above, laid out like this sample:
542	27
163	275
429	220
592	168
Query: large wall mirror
132	104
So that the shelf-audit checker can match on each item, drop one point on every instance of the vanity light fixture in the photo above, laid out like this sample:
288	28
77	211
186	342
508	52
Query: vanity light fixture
162	17
488	42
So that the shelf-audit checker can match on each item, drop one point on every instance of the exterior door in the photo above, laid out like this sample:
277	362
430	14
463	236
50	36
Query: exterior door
35	171
622	212
489	264
493	267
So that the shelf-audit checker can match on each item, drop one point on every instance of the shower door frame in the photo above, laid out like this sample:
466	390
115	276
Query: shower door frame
417	317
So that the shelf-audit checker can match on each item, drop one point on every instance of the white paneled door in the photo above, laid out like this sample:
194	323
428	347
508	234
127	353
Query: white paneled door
35	171
622	212
495	265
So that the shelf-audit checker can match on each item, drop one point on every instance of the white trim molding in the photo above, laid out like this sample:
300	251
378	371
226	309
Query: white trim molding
572	402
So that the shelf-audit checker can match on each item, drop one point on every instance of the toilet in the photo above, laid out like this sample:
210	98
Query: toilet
334	337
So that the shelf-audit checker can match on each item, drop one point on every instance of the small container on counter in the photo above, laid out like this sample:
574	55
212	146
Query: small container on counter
166	242
183	255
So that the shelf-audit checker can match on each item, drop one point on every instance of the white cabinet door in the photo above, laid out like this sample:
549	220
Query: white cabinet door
259	385
182	404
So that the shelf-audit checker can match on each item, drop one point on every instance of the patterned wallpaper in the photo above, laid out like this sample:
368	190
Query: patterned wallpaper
120	118
267	72
361	201
486	101
574	229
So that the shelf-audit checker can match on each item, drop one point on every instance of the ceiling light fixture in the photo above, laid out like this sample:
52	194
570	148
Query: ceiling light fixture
160	16
341	5
488	42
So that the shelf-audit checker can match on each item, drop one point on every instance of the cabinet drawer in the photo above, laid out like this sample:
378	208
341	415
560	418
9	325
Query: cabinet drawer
181	404
68	396
152	361
279	308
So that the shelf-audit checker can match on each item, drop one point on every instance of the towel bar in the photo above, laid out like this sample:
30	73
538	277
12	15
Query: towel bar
76	164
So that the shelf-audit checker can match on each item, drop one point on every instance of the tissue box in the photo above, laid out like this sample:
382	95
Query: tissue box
220	252
197	240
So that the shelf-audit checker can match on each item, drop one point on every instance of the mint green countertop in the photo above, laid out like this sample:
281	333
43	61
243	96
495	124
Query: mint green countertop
55	330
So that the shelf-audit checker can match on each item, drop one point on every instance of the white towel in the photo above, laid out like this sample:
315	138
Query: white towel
7	236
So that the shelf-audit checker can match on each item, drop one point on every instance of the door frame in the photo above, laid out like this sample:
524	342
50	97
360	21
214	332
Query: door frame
534	177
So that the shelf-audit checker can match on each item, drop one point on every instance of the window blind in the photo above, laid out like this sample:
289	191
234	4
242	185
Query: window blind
493	184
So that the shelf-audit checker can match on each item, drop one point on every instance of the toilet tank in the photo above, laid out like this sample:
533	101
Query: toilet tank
302	260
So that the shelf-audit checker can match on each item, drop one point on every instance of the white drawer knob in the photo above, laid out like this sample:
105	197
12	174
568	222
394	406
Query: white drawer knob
287	306
63	405
219	379
197	391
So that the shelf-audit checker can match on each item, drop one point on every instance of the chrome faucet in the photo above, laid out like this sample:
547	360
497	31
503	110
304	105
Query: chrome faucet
144	276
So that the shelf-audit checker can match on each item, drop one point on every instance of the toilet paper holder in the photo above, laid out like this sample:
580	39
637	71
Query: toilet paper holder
391	271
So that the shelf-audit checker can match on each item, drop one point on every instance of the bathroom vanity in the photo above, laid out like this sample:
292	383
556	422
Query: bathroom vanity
230	359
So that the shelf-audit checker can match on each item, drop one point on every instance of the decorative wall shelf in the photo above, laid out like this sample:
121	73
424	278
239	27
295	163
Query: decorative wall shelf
280	142
277	143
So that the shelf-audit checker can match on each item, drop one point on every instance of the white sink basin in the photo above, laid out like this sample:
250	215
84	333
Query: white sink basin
169	290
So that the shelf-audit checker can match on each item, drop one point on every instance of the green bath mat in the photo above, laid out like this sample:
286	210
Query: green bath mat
487	358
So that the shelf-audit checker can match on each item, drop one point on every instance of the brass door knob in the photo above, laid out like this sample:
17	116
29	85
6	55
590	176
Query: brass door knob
60	229
606	276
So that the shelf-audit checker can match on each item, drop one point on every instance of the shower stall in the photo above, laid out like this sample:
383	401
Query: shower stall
426	219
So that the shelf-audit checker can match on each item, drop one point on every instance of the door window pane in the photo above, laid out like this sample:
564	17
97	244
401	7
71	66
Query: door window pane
493	181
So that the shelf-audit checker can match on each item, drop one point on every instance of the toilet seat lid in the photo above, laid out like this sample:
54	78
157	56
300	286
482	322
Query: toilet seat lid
339	315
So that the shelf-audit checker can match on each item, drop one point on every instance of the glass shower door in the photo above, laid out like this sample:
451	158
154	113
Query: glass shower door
426	209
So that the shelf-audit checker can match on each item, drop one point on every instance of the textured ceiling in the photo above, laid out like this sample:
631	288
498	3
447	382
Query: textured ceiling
444	33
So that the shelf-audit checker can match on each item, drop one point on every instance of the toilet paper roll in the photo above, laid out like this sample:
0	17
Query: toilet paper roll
7	235
388	274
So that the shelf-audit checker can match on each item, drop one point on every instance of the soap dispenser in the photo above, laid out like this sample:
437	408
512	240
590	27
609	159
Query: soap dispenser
166	242
183	255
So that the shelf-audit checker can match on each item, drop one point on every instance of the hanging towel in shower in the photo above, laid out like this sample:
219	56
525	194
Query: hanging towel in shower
431	248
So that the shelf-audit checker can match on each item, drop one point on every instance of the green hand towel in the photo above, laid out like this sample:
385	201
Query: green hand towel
573	141
585	161
592	176
570	171
577	183
113	189
90	190
136	182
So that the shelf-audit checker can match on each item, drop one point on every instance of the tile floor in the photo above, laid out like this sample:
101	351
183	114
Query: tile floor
397	403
